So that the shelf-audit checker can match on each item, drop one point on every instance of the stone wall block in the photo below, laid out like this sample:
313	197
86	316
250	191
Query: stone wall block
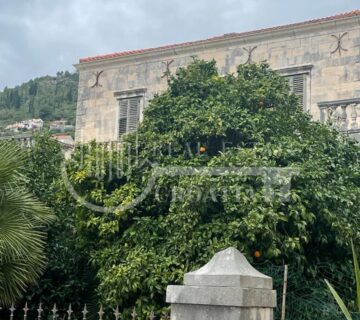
226	288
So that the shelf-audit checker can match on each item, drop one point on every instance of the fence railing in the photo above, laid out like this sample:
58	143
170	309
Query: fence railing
24	140
54	313
344	114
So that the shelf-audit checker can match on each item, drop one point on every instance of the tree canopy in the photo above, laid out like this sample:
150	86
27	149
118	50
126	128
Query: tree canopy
49	98
204	121
195	139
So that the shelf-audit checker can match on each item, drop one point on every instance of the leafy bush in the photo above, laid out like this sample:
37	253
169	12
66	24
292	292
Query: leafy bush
247	119
336	296
68	276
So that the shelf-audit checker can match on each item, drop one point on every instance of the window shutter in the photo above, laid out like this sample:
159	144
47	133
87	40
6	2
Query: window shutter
133	115
129	114
123	117
297	86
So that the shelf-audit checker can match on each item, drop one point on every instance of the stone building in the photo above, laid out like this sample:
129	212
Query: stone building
320	58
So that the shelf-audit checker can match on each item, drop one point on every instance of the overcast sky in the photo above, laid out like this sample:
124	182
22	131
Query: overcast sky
40	37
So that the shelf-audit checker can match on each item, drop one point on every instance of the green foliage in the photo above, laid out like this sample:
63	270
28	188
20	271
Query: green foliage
68	277
43	166
247	119
22	222
48	98
336	296
357	276
339	301
307	297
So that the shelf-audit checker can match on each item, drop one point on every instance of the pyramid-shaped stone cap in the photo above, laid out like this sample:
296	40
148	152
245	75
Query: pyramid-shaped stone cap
228	268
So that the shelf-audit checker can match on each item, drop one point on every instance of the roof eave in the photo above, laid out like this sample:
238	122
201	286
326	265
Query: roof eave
246	37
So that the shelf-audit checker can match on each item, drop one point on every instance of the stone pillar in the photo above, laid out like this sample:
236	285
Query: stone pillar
226	288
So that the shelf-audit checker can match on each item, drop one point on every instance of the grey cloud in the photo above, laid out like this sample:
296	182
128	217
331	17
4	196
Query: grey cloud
39	37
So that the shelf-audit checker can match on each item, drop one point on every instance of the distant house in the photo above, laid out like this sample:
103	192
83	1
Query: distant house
64	139
26	140
31	124
57	125
13	127
320	59
60	126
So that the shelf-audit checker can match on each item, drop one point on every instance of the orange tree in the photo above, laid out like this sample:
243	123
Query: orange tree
205	121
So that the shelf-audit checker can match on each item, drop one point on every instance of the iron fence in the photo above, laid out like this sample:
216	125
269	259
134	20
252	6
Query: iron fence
39	313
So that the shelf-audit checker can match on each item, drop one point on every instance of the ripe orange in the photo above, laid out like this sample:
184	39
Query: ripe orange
257	254
202	149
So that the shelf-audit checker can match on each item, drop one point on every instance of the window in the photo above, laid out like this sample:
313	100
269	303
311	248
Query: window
129	114
130	107
297	83
299	78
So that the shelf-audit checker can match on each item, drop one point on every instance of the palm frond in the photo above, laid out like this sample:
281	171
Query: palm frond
12	158
21	201
17	275
22	222
18	237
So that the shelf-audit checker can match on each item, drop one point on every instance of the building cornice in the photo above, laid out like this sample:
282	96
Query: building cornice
271	34
297	69
130	93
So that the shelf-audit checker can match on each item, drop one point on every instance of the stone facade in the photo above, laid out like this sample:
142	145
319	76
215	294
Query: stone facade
324	52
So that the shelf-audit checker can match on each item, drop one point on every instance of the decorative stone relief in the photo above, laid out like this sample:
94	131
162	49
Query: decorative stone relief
167	72
339	48
97	75
249	51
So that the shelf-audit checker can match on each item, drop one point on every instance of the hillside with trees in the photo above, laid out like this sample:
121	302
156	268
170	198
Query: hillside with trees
49	98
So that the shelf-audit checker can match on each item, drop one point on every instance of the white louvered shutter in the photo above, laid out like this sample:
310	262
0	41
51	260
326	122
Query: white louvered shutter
133	115
123	117
129	114
297	86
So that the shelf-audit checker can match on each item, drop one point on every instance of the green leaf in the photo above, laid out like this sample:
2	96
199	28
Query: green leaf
22	219
357	275
339	301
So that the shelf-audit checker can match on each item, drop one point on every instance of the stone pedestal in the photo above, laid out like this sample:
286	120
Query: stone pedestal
226	288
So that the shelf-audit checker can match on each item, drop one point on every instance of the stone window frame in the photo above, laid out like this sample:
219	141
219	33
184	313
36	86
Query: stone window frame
297	70
128	94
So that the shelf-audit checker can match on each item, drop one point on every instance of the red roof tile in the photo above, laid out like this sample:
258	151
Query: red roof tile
235	34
